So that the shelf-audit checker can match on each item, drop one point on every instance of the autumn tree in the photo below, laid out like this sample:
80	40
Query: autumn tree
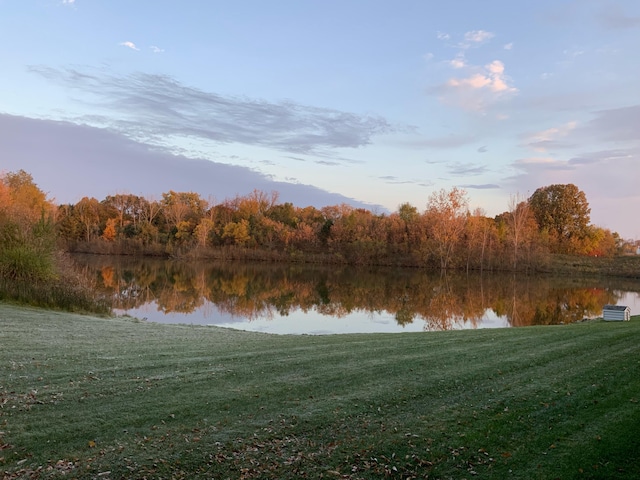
522	227
563	211
110	232
183	210
285	213
127	210
149	210
360	235
88	212
310	222
256	204
601	242
447	214
478	232
237	233
23	204
27	240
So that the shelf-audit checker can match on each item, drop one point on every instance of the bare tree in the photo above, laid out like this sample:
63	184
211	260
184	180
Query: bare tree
520	221
447	213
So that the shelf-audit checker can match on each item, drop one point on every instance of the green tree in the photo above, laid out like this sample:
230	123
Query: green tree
414	232
563	211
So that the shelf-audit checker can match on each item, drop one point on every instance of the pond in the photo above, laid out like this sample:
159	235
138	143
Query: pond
319	299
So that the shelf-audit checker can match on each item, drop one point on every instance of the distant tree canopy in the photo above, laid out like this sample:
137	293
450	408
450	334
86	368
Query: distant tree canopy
563	212
445	234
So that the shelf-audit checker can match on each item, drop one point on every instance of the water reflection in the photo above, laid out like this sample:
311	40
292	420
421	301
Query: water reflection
327	299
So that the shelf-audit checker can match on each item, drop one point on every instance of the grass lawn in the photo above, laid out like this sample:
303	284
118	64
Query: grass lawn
85	397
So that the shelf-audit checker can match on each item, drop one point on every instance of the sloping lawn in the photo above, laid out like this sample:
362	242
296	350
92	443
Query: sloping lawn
85	397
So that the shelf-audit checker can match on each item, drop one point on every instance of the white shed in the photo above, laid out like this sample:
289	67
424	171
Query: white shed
616	312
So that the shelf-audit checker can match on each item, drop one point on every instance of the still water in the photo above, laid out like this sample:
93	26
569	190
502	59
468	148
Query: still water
311	299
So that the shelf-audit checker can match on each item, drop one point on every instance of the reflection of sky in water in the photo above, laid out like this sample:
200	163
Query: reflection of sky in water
314	323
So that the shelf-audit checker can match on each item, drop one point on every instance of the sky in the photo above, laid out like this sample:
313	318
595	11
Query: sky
368	102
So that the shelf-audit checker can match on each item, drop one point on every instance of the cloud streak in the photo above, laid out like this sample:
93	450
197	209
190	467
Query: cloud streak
466	169
549	138
149	107
613	17
483	186
445	142
69	161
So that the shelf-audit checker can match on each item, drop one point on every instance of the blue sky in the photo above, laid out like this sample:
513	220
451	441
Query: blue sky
367	102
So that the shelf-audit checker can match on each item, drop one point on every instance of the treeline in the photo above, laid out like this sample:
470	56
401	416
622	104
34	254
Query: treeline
445	235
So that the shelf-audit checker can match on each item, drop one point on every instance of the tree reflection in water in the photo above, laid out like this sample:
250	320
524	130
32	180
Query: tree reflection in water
259	290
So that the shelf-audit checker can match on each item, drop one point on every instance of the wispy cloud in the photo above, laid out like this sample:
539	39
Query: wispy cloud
508	46
446	141
393	180
327	163
297	159
130	45
153	107
483	186
155	49
613	17
470	39
68	2
615	125
466	169
477	36
550	138
546	162
604	156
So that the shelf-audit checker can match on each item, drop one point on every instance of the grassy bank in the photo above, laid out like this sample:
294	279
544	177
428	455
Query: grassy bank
58	287
83	397
621	266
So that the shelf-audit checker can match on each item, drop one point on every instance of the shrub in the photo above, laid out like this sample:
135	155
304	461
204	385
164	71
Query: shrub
24	263
30	269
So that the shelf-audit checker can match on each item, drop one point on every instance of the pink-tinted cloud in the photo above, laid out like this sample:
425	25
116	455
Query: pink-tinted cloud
478	90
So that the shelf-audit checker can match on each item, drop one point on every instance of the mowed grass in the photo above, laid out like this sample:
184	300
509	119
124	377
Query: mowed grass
85	397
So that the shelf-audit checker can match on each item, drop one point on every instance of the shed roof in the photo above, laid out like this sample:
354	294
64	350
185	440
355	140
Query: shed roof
616	307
